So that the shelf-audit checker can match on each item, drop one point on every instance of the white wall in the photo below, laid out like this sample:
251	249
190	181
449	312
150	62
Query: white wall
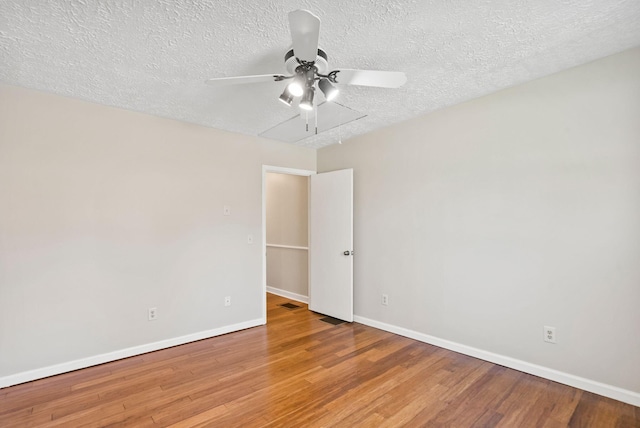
485	221
287	213
105	213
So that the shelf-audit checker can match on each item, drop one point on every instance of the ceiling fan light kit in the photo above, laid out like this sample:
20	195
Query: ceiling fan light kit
306	103
286	96
296	87
329	91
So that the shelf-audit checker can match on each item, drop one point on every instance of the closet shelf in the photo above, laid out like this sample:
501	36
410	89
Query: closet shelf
291	247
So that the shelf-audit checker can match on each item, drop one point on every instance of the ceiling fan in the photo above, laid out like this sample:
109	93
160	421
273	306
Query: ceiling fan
307	64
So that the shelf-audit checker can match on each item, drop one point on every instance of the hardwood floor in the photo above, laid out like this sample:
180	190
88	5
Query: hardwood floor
300	371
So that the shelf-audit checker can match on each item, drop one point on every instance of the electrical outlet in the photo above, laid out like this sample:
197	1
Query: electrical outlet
227	210
550	334
385	299
227	301
250	239
153	314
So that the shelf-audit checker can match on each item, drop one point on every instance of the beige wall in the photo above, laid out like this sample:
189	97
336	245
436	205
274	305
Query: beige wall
105	213
287	217
485	221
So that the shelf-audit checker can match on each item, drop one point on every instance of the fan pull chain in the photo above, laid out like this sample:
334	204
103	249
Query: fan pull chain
306	115
339	126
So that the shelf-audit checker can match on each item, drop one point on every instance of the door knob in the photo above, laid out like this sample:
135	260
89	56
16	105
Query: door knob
348	253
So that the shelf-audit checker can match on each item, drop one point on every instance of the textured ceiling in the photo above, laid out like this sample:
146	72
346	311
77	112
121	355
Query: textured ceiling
153	56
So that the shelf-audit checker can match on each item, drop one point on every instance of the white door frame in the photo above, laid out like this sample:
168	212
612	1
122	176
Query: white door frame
265	170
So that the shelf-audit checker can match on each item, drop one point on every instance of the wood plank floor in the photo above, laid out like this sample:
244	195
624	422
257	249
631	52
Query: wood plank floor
300	371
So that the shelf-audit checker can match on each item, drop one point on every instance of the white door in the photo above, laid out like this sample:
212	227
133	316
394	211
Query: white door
331	244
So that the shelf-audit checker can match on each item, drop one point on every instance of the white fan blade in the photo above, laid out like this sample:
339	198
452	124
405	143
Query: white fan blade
381	79
305	32
224	81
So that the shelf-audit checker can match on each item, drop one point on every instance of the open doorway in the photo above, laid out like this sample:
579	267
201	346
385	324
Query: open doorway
285	233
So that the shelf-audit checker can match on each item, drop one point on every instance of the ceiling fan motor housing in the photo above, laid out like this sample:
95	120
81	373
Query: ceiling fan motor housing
291	63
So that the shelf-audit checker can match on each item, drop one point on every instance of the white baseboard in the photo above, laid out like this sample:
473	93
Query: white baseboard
610	391
123	353
288	294
599	388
